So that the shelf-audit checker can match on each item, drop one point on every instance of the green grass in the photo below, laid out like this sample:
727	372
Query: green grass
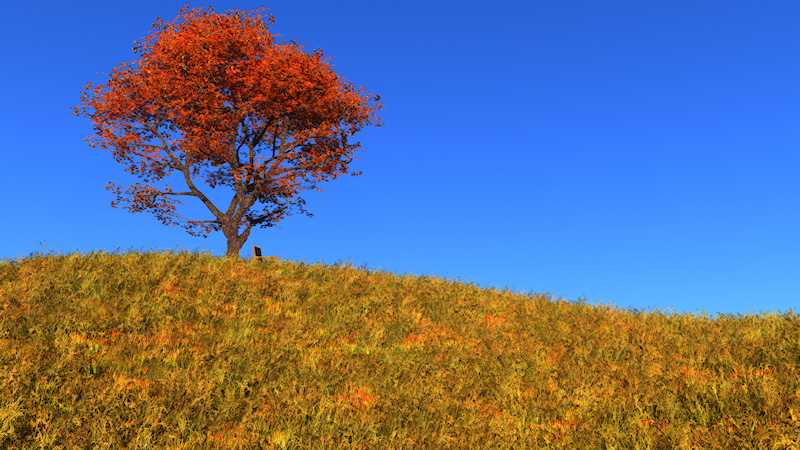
166	350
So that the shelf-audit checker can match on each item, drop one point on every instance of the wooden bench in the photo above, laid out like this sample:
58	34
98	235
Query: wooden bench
257	254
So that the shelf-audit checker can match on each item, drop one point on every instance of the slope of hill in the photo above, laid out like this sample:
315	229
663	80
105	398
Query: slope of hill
165	350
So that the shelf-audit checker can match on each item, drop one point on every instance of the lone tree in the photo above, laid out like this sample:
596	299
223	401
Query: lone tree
213	91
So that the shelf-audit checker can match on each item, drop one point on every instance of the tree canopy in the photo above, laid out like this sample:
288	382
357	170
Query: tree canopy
217	92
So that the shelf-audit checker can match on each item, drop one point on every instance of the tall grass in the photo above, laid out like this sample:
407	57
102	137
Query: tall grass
166	350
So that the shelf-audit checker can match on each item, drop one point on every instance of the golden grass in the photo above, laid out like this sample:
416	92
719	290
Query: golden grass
165	350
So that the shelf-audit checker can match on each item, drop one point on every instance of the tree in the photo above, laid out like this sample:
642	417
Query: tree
216	91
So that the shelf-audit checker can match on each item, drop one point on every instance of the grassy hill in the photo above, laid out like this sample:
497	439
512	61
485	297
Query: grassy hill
166	350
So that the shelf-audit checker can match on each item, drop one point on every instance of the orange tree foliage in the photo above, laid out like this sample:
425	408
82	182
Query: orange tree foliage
216	91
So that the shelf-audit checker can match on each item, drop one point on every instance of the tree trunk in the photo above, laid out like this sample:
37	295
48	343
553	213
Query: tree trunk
235	240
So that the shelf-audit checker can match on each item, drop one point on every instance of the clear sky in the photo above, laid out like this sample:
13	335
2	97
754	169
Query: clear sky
640	154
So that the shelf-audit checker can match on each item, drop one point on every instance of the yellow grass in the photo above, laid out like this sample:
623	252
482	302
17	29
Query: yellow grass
166	350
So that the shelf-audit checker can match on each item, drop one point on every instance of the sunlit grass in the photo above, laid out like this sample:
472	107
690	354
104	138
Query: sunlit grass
167	350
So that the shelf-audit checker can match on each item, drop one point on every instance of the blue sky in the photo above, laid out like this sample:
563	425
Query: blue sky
640	154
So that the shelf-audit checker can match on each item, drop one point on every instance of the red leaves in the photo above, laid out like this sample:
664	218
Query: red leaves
213	90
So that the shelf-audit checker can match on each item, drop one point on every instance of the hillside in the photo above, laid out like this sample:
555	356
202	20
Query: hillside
167	350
